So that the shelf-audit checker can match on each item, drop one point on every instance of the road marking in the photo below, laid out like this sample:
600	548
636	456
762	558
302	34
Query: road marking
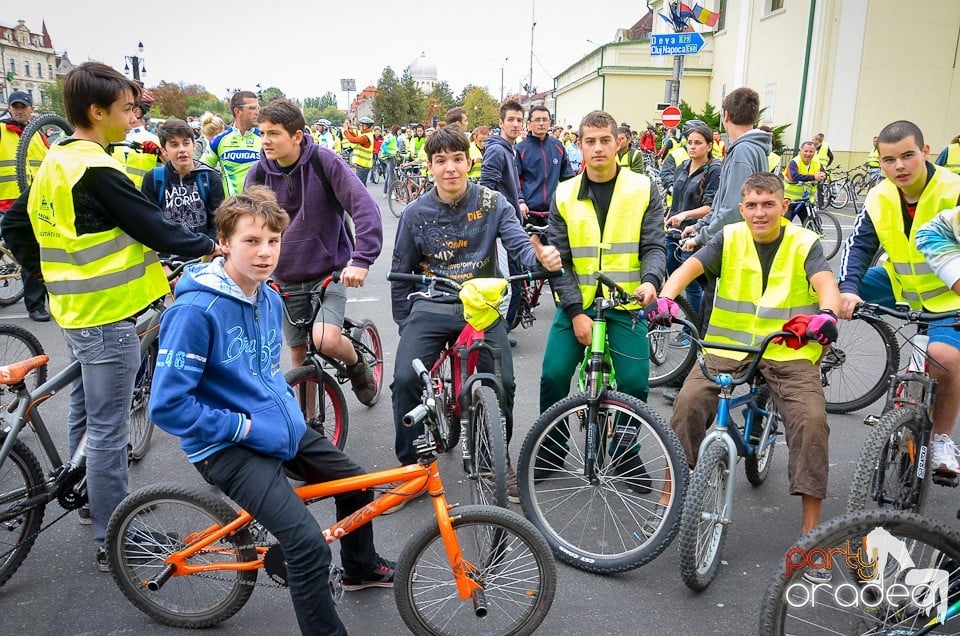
363	300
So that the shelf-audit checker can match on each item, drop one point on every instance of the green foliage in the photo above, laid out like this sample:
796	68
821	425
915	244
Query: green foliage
709	115
442	96
270	93
416	101
53	98
319	103
390	102
334	114
311	114
482	109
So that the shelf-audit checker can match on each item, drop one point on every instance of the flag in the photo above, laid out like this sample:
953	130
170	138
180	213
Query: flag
705	16
686	12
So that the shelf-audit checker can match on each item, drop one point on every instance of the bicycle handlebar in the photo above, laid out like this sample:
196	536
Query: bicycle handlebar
420	412
334	277
425	279
909	315
177	266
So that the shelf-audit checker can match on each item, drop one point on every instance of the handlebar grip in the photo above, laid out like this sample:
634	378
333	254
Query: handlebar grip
406	278
416	415
419	368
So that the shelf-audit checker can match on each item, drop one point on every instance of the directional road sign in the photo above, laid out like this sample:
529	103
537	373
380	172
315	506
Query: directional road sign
676	43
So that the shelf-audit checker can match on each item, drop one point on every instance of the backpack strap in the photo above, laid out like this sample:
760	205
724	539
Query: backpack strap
203	185
159	183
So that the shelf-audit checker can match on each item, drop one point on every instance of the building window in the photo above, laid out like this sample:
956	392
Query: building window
774	5
26	69
722	10
13	66
769	103
39	69
50	71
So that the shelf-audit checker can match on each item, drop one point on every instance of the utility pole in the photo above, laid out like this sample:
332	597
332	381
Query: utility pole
533	25
677	61
501	77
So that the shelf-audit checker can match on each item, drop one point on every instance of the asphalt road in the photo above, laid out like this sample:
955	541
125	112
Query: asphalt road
58	590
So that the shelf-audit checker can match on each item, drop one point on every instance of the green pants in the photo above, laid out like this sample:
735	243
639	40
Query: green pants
628	346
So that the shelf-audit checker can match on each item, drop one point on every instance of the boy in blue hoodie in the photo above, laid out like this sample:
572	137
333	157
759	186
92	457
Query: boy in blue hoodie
218	386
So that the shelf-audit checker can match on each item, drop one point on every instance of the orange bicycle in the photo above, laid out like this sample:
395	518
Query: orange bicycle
186	558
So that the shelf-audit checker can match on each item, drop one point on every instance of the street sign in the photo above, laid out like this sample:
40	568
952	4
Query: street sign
676	43
670	117
348	84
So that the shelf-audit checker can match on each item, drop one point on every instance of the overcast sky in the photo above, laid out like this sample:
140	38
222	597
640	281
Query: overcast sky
305	47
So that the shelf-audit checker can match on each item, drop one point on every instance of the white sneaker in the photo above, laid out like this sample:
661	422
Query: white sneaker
945	454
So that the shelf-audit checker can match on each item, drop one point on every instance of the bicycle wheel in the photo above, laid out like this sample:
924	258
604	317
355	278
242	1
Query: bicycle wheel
401	194
325	411
11	283
37	124
141	426
375	173
20	478
886	470
16	344
705	518
828	228
615	523
672	352
524	315
757	466
922	558
449	422
501	551
856	368
487	466
151	524
365	332
839	196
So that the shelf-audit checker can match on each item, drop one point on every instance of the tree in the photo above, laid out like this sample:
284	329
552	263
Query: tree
482	109
415	99
390	102
269	94
442	96
319	103
53	98
311	114
334	114
168	100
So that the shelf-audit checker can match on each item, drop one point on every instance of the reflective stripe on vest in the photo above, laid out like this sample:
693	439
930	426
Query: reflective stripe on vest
744	312
911	277
617	253
135	163
95	278
477	154
9	140
953	158
363	157
794	191
823	153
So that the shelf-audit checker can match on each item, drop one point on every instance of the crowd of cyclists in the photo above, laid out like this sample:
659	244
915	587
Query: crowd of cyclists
663	212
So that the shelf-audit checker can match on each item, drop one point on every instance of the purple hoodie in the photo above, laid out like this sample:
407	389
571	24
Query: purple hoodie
318	240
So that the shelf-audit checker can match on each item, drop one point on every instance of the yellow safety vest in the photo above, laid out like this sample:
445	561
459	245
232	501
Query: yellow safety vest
823	153
773	160
718	149
363	157
96	278
912	278
9	140
953	158
794	191
873	161
744	313
135	163
617	252
476	154
679	154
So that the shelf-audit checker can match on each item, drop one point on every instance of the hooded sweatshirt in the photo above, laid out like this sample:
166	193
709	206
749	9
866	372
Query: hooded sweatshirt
318	241
219	365
745	156
499	171
182	200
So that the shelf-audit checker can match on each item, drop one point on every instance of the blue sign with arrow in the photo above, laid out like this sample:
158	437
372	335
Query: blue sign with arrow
676	43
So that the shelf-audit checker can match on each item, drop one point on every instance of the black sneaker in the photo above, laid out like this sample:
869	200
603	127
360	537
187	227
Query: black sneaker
102	563
380	576
629	466
546	469
513	490
362	382
83	516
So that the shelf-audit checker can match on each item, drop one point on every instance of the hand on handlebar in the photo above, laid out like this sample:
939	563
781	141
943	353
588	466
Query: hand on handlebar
820	327
353	276
548	255
823	328
661	312
848	304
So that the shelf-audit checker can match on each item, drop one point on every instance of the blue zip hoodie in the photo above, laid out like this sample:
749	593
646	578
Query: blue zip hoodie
541	165
499	170
219	365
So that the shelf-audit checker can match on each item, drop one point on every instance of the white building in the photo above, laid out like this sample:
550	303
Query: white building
424	73
28	61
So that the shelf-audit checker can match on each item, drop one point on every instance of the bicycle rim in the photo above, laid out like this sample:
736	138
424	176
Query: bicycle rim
860	597
20	478
488	450
502	551
324	410
11	284
141	426
703	525
16	344
856	368
372	351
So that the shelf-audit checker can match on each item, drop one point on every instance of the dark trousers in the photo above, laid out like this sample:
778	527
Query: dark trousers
424	335
256	482
34	292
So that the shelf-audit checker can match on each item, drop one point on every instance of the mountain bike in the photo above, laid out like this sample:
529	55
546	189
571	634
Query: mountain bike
530	290
821	222
11	281
595	464
186	558
408	186
672	353
892	469
469	400
318	393
708	508
890	572
16	344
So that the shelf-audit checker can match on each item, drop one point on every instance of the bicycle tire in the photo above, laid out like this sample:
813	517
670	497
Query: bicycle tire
152	523
827	227
701	539
16	344
11	279
23	146
855	370
141	426
523	306
508	557
21	477
554	496
449	428
929	544
400	197
374	177
336	420
885	473
366	333
487	466
757	466
839	196
670	359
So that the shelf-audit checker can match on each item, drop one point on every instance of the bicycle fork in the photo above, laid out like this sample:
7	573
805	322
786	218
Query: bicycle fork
720	434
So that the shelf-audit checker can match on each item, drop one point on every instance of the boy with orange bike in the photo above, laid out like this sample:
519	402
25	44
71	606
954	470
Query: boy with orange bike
218	387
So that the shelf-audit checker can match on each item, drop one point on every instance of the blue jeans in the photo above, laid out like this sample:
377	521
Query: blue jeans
694	291
257	483
390	164
875	288
109	358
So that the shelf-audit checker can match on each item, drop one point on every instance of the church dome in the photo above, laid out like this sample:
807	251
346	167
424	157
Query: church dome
422	68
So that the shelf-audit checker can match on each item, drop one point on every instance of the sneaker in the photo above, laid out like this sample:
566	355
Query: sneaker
817	572
513	490
670	395
379	576
652	524
40	315
681	341
83	515
362	381
102	563
945	454
629	466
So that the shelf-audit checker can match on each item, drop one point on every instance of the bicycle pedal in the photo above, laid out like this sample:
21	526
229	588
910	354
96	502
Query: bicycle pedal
949	480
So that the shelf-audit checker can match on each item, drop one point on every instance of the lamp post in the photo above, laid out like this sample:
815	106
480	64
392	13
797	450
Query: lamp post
501	77
533	25
133	64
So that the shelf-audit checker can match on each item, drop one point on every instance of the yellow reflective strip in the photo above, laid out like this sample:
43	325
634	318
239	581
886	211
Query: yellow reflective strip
96	284
583	252
8	162
6	178
624	277
739	307
777	313
622	248
740	337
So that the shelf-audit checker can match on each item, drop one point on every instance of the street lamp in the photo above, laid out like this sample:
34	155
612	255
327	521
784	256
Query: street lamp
135	63
501	77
